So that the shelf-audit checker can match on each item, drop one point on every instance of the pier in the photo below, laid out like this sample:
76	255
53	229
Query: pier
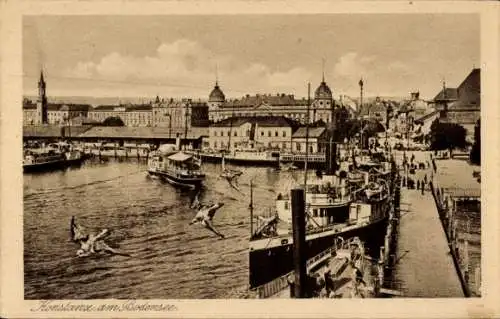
424	263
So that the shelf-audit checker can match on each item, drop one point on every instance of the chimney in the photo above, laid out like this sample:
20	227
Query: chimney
299	242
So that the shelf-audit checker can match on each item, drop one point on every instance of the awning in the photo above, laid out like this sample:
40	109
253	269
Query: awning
180	157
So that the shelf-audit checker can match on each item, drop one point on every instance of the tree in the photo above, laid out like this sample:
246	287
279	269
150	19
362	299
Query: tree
475	153
113	121
447	136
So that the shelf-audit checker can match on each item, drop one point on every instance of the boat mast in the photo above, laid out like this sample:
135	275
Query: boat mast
307	134
251	208
230	130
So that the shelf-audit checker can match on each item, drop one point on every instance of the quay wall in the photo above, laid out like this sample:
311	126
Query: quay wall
451	243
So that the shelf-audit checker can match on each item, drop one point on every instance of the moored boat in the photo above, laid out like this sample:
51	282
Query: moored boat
54	156
178	168
341	271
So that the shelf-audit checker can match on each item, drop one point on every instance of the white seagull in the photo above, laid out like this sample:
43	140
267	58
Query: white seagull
205	216
90	243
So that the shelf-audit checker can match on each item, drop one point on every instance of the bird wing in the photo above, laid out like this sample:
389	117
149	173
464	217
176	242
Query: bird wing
213	209
208	224
77	231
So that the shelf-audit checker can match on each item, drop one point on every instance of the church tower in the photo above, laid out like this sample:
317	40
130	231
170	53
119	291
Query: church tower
41	103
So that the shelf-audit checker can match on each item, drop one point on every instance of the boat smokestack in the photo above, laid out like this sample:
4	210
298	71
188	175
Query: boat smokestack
331	147
299	242
178	142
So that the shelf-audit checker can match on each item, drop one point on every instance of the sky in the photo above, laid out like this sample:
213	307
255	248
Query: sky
181	56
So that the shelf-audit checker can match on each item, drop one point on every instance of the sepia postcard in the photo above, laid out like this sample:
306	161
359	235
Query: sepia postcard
226	158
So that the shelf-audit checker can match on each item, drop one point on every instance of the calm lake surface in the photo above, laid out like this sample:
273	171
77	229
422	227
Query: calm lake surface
148	219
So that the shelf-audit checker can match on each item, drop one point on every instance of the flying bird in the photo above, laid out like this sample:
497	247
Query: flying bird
90	243
205	216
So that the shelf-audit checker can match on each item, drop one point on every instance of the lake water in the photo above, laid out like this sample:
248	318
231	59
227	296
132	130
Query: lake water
148	219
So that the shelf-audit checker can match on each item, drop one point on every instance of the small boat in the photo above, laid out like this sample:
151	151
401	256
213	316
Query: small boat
179	169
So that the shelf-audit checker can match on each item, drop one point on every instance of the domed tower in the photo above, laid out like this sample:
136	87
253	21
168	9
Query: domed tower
216	97
323	102
215	100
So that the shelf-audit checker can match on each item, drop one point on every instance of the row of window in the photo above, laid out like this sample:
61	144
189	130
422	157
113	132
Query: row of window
247	133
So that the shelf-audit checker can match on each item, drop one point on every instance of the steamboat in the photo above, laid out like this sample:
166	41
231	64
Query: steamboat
54	156
176	167
353	202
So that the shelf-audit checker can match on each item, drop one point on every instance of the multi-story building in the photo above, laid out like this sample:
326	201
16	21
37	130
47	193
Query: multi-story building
50	113
131	114
272	105
409	111
259	131
315	140
463	104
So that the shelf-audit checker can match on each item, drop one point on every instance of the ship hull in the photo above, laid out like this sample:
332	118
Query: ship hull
273	262
191	183
52	165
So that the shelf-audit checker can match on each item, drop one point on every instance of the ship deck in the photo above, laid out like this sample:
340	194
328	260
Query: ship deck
343	277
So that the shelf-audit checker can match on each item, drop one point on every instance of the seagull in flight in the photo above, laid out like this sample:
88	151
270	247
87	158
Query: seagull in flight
205	215
90	243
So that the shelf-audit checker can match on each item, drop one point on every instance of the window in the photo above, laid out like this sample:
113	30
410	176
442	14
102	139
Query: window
315	212
269	144
228	133
311	149
276	133
248	132
269	133
297	146
262	133
235	133
215	144
286	206
284	133
283	145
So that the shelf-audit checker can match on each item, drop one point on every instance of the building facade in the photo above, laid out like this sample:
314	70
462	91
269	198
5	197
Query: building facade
137	115
263	132
286	105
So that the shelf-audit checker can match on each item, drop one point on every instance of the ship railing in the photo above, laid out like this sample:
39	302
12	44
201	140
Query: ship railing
301	157
279	284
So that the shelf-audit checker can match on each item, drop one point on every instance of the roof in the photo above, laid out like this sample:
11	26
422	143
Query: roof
180	157
42	131
265	121
104	108
272	100
75	107
216	95
142	132
448	95
314	132
323	91
461	192
469	92
427	116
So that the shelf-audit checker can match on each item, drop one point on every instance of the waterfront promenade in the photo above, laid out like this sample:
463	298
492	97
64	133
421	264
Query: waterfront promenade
425	266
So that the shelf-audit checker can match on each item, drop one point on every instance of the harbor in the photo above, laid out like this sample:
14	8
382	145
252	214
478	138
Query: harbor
292	177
